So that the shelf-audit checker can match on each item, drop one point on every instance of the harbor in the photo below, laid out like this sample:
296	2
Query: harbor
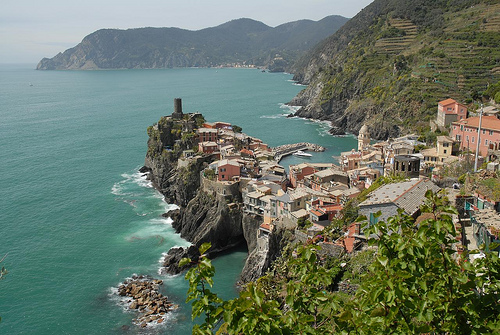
289	149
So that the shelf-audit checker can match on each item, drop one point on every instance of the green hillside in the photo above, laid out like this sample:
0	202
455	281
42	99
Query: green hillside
392	63
242	41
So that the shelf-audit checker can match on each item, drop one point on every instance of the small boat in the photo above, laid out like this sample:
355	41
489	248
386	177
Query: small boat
301	153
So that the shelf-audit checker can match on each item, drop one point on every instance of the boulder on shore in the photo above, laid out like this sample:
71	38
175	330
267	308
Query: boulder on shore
146	299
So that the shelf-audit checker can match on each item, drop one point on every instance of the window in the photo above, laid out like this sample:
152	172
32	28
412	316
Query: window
462	128
222	177
491	132
486	142
484	131
444	151
467	138
472	140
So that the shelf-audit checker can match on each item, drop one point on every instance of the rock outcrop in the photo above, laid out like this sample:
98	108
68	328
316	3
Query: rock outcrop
204	214
260	259
145	298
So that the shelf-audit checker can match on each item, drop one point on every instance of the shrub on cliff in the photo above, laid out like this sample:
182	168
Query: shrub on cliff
417	284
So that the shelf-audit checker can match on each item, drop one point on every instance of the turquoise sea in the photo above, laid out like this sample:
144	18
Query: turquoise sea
77	218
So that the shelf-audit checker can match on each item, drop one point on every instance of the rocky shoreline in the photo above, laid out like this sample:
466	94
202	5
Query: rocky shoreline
145	298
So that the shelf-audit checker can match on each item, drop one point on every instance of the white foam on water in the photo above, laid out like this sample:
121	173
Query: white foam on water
158	229
278	116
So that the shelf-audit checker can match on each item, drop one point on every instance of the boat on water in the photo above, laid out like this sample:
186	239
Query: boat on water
301	153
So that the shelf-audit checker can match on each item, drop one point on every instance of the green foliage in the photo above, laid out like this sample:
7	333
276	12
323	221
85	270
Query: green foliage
406	56
416	284
357	266
303	223
209	174
206	302
237	129
420	147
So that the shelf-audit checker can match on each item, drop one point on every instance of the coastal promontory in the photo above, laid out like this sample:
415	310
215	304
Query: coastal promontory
203	168
241	42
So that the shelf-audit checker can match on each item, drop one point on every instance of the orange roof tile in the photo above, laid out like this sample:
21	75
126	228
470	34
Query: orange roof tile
488	122
447	102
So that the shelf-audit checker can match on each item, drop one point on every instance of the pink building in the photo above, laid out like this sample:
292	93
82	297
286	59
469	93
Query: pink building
228	170
207	147
298	172
465	132
449	111
207	135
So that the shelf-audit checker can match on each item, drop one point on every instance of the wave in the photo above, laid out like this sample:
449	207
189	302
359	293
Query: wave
291	108
277	116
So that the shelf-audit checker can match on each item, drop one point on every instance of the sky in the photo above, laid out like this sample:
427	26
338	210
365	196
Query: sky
33	29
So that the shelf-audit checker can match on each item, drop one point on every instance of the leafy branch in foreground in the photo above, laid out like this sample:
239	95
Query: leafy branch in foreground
204	300
417	284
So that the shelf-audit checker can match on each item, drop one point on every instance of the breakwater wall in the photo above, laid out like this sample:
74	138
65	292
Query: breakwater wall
288	149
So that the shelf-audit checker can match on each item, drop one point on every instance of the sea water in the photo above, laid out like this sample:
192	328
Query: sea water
76	216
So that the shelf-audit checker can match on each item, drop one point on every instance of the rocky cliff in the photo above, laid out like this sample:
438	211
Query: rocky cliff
206	214
391	64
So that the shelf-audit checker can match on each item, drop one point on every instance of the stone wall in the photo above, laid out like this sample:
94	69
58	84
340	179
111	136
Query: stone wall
227	189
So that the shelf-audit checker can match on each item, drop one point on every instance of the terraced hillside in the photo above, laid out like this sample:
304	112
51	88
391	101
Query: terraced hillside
392	63
405	33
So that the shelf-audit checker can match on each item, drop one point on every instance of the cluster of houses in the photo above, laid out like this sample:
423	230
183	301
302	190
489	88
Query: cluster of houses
317	192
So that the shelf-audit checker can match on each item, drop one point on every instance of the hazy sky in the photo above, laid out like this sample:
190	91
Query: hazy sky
33	29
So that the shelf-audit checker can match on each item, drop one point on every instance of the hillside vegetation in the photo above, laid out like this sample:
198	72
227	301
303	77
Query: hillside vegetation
242	41
392	63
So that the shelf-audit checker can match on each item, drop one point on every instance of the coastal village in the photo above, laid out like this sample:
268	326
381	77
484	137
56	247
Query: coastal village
231	188
308	196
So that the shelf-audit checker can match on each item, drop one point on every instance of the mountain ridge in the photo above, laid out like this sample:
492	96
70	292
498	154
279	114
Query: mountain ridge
240	41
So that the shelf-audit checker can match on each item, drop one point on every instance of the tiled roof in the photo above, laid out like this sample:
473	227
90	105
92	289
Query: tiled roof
283	198
228	162
488	122
444	139
408	195
330	172
317	212
411	200
255	195
447	102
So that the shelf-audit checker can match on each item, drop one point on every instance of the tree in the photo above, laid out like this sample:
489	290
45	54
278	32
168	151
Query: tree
417	284
236	129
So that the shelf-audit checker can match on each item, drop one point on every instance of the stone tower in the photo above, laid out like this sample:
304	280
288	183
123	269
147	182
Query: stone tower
363	138
177	114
